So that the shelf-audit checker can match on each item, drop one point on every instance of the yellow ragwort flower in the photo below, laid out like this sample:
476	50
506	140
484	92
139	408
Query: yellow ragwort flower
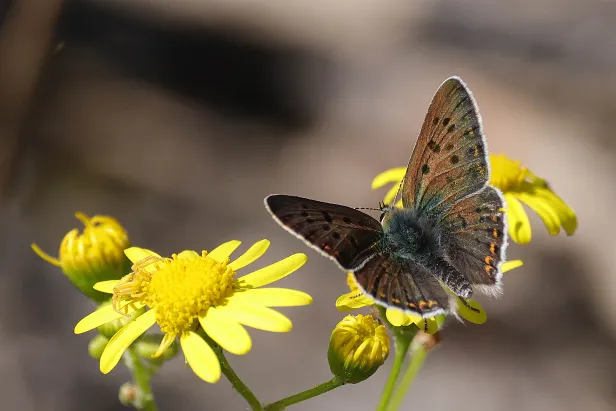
189	289
357	299
357	348
93	256
518	184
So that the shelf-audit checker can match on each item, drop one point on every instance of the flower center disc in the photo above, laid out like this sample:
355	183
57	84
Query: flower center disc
184	287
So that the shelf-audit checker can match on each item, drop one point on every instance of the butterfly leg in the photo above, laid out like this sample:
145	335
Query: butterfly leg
453	279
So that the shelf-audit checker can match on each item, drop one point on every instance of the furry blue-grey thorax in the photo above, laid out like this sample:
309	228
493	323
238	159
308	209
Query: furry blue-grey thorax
408	236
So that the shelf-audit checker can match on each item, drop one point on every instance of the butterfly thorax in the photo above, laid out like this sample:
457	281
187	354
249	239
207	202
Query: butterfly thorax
410	236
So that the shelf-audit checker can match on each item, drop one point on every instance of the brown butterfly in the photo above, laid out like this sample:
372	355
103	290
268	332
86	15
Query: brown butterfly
451	231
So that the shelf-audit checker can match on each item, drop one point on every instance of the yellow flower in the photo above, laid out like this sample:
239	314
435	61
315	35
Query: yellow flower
189	289
94	256
520	184
357	348
357	299
517	184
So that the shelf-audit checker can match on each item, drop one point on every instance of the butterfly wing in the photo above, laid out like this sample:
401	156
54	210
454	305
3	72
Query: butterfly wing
403	285
475	238
347	236
449	161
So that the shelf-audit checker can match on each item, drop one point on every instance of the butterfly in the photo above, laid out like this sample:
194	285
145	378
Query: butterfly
448	239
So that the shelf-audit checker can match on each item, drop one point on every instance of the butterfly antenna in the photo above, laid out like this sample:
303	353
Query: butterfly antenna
367	208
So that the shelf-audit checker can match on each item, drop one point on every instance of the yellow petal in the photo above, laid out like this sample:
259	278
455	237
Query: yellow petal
470	315
124	338
272	297
188	254
391	194
273	272
226	331
200	356
101	316
353	300
136	254
430	325
223	251
519	225
394	175
253	253
548	214
567	216
106	286
510	265
400	319
168	339
255	316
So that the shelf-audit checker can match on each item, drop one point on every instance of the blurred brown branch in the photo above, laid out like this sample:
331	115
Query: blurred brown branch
25	40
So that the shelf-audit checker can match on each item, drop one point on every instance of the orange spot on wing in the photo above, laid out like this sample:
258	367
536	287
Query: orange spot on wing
495	233
493	248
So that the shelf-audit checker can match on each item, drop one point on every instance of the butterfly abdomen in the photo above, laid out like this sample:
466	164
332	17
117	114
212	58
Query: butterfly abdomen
408	236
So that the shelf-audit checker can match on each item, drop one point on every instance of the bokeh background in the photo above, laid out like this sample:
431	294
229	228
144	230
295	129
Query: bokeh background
178	117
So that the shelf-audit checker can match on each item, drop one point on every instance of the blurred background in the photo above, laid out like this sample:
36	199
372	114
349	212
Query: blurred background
178	118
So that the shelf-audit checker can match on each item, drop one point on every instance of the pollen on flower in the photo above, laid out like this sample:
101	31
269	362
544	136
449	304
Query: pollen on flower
177	288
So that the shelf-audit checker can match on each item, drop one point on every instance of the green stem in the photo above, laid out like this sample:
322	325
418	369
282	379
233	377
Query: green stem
145	399
401	347
232	376
305	395
417	359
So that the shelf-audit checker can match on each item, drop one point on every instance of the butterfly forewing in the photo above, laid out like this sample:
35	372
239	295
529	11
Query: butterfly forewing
403	285
342	233
449	161
476	233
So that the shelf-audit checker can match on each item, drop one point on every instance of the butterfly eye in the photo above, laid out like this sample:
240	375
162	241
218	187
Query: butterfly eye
382	217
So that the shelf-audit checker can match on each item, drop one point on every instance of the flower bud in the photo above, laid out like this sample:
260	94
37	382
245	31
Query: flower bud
149	344
128	394
109	329
97	346
358	347
95	255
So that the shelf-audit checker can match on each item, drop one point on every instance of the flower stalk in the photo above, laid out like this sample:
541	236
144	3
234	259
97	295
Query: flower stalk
232	376
305	395
144	399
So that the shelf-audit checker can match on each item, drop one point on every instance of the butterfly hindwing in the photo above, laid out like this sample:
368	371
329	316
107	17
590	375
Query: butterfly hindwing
449	161
476	238
403	285
344	234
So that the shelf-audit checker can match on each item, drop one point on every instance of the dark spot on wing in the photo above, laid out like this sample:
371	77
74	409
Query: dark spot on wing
347	220
432	145
327	217
425	169
446	121
455	159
